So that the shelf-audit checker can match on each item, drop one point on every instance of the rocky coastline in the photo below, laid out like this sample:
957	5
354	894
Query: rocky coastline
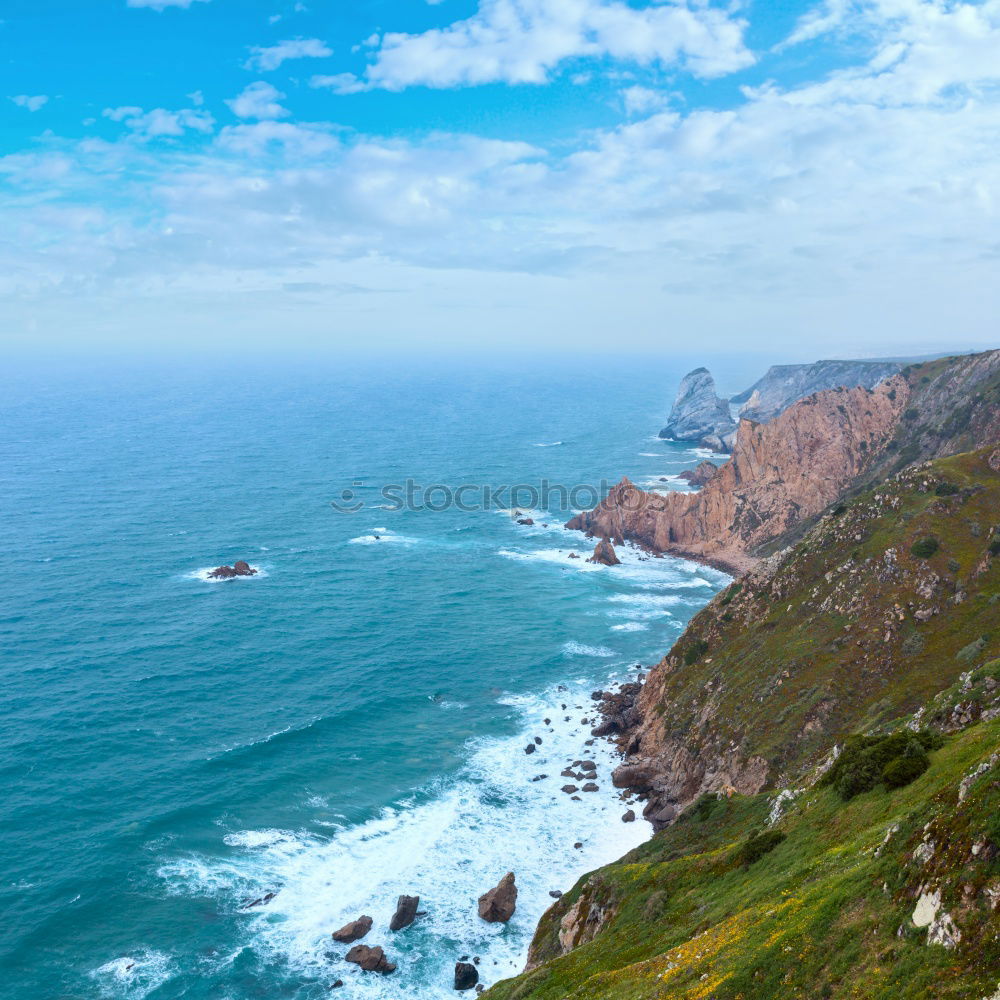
865	602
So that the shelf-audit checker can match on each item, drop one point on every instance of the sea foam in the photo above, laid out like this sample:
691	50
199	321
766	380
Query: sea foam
455	839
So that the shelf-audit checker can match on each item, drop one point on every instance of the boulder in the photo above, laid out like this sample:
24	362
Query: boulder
526	521
629	816
406	912
569	789
353	931
239	568
497	905
370	959
591	786
466	976
530	748
702	473
573	555
604	553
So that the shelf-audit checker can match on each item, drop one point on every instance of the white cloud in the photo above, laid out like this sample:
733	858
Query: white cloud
271	57
160	122
35	103
525	41
161	4
642	100
828	214
259	100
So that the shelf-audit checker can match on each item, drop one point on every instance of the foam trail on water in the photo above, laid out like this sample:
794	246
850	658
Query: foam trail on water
454	841
133	977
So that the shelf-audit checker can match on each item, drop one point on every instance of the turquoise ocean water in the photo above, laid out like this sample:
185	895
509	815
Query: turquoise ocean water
346	726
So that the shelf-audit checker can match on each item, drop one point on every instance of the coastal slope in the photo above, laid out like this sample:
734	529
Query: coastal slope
788	874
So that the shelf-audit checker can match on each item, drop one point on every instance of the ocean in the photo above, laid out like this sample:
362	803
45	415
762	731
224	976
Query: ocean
345	726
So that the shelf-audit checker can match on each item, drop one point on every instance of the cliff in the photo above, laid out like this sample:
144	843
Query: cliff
783	385
698	413
780	473
807	860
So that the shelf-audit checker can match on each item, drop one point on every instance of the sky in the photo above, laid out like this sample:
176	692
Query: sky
621	176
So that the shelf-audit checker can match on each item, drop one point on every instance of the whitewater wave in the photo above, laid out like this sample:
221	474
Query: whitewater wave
456	839
558	556
630	627
134	976
549	444
382	536
203	575
580	649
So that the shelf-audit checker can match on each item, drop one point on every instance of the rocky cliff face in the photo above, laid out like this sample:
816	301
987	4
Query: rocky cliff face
786	384
953	406
698	413
780	474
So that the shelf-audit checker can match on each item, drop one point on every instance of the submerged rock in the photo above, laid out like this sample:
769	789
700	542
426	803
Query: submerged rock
370	959
353	931
498	904
239	568
466	976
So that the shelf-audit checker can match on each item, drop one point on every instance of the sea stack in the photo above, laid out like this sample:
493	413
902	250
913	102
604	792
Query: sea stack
406	912
604	553
497	906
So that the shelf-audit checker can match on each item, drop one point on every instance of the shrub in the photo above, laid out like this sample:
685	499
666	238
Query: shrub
903	770
732	592
757	845
924	548
695	651
910	414
945	490
704	807
994	548
865	760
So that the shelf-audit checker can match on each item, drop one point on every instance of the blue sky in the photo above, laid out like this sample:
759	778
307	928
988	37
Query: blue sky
598	174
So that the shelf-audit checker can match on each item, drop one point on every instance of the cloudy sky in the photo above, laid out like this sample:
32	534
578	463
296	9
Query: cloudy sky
615	175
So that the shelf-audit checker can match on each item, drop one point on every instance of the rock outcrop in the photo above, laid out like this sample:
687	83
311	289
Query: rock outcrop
498	905
604	553
786	384
466	976
353	931
699	413
239	568
406	912
780	474
370	959
701	475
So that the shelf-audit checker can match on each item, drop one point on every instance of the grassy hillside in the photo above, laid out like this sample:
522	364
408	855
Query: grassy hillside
857	626
886	615
826	913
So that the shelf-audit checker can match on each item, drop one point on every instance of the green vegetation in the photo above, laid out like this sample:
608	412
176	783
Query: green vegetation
757	845
826	913
696	649
867	761
924	548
